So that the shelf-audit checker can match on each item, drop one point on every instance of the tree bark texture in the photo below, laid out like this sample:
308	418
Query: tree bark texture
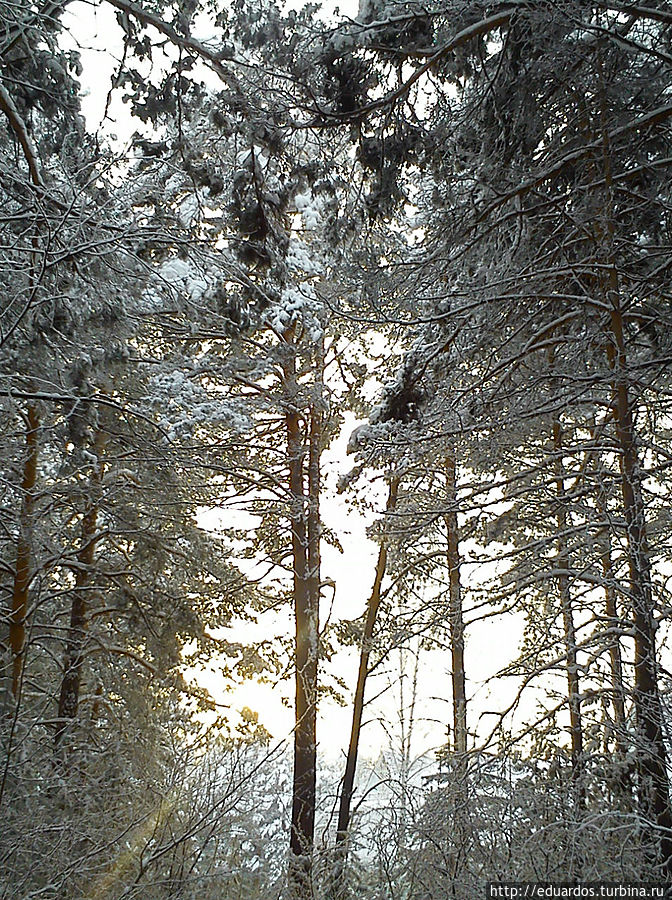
303	452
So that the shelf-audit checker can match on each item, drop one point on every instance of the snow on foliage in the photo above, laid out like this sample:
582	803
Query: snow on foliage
186	406
296	305
189	209
174	277
300	259
179	274
310	208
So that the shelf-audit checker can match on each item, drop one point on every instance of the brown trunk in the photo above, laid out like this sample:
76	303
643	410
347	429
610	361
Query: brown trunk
654	790
651	753
17	622
455	612
348	784
564	592
304	521
303	796
68	703
460	793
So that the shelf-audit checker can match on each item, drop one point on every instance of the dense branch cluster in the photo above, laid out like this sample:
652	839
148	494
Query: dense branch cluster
447	223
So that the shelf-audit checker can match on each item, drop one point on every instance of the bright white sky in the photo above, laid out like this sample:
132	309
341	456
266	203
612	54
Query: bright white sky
96	33
490	645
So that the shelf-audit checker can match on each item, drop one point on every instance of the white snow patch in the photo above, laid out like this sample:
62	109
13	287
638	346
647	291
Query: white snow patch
186	405
299	259
189	209
310	209
179	274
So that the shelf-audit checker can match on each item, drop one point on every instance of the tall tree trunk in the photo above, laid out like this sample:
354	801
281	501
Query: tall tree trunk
564	592
461	836
654	792
347	787
455	611
304	523
654	788
17	622
68	703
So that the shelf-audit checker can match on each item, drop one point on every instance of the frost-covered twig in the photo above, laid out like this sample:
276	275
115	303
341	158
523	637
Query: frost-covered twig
20	131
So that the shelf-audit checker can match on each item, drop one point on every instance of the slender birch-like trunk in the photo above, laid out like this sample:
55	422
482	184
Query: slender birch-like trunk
456	618
614	640
569	631
18	617
460	787
348	784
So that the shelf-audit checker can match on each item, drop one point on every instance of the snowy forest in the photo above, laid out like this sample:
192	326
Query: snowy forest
333	361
